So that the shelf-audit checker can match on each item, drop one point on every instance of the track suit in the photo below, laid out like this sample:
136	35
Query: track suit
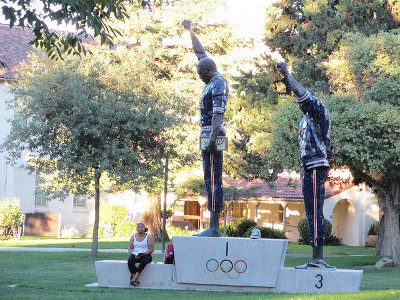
213	101
315	150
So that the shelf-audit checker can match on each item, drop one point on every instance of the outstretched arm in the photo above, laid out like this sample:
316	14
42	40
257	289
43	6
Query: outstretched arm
197	46
296	87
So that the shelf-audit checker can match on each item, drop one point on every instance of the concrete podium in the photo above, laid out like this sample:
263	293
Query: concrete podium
228	261
230	264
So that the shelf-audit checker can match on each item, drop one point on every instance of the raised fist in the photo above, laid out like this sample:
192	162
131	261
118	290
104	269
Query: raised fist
187	24
282	67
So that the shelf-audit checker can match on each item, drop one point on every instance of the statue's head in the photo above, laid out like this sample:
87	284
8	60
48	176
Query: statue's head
206	69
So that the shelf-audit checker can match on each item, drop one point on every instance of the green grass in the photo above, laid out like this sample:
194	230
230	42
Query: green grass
63	275
104	243
344	250
122	243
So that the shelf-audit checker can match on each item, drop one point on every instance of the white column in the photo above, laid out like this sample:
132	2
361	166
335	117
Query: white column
284	205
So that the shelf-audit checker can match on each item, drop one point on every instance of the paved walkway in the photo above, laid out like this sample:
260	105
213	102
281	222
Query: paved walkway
46	249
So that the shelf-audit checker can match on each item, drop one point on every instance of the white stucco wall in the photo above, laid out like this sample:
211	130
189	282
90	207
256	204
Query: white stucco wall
14	180
362	211
80	217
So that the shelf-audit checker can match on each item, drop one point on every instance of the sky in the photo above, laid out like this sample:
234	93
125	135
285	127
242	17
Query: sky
248	15
52	24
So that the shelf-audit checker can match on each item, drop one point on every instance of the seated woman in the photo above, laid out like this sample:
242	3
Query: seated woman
141	245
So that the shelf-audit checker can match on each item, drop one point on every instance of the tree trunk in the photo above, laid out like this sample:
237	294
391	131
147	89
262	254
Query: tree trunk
151	217
389	230
95	240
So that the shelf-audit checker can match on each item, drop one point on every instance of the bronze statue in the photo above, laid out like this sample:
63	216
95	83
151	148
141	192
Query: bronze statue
213	103
315	150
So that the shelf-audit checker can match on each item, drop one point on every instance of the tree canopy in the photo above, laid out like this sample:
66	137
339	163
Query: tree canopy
306	32
92	117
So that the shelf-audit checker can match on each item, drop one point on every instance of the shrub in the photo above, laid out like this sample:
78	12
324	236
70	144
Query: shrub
333	241
230	231
11	217
70	231
243	225
268	233
176	231
302	226
125	229
169	213
112	214
373	229
89	231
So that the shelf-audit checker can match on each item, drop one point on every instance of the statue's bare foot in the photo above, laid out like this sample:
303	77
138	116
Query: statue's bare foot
209	232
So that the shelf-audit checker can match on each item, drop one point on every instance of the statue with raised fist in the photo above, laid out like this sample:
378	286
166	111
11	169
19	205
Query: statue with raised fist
315	150
213	103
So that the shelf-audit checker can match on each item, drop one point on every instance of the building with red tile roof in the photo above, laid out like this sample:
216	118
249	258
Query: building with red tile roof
279	205
14	49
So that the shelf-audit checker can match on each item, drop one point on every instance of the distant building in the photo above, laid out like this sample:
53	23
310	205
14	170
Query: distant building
351	209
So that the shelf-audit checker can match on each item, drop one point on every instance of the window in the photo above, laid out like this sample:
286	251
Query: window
40	196
79	201
238	210
192	208
280	213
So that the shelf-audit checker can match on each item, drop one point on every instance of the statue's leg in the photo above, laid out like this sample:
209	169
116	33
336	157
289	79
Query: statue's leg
212	165
314	194
213	230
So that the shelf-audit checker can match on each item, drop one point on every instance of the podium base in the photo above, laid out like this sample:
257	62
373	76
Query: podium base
230	264
115	273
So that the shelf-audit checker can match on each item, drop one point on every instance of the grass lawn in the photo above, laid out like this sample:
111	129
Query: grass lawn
345	250
122	243
63	275
104	243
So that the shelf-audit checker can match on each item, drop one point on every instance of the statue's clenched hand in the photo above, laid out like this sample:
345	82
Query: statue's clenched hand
282	67
187	24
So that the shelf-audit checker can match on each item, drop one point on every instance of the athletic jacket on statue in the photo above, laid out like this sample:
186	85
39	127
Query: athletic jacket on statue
213	100
314	132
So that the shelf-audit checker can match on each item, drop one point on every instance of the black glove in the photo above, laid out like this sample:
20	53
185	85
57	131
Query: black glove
282	68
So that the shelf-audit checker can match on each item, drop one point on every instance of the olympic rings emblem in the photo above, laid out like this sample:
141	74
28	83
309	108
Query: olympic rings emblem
226	266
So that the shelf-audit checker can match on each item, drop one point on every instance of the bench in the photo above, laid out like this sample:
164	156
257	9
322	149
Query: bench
115	273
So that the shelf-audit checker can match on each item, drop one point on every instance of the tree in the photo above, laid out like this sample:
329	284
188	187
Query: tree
11	217
88	119
366	122
84	15
305	32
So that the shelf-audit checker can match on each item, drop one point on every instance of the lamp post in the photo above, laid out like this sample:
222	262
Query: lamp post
201	201
165	204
